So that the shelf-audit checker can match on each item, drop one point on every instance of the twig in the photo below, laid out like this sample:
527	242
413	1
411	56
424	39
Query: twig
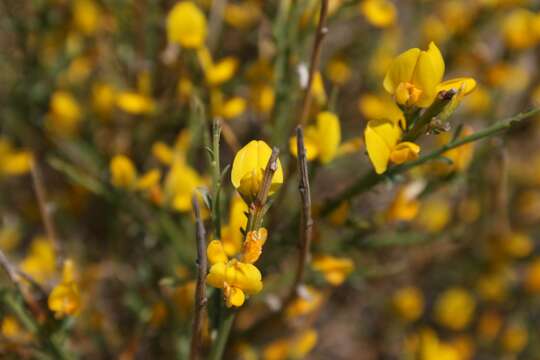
314	62
200	291
216	177
44	209
306	221
371	178
10	270
269	171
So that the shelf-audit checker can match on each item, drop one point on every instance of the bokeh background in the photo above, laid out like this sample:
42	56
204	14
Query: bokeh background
441	262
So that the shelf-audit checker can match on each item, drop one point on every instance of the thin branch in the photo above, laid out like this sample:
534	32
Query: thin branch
45	211
200	291
370	179
10	270
271	168
314	61
15	275
306	221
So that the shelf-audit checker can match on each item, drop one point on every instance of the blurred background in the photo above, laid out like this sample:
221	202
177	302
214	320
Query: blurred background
104	120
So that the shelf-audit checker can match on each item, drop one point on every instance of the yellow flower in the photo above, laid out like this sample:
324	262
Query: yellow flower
123	172
489	325
414	75
296	347
180	184
40	263
405	205
432	348
307	303
262	97
321	140
454	308
64	114
334	269
434	214
517	244
376	107
338	71
252	248
221	72
233	108
379	13
381	138
461	156
65	298
186	25
236	278
408	303
248	170
521	29
13	162
103	98
231	234
148	180
134	103
86	16
242	15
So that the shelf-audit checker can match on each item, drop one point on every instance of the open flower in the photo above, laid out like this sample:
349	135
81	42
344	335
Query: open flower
248	170
186	25
414	75
335	270
322	139
236	278
382	144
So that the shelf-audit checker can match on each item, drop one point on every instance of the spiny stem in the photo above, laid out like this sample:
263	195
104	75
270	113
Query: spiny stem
200	290
216	178
315	58
371	178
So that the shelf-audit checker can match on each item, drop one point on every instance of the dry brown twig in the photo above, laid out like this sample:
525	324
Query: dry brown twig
314	61
306	221
200	290
45	212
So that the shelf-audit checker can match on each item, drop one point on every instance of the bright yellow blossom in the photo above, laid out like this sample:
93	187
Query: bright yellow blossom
252	248
86	16
382	144
414	75
321	140
64	115
236	278
231	234
180	185
248	170
186	25
40	263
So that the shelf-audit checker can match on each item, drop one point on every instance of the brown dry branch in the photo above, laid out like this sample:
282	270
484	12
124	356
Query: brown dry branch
200	290
314	61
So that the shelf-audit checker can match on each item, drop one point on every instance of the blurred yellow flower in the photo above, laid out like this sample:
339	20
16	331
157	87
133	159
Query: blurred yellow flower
242	15
308	302
180	185
233	107
13	162
86	16
405	205
65	298
489	325
322	139
431	348
186	25
64	114
294	348
379	13
248	170
521	29
434	214
454	308
123	172
335	270
515	338
103	99
40	262
408	302
339	72
134	103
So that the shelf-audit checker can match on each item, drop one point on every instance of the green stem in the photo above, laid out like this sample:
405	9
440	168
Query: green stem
222	336
216	178
371	178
